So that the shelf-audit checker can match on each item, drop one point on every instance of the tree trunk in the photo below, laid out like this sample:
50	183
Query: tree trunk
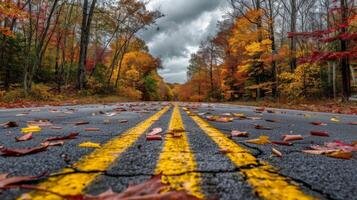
293	18
344	62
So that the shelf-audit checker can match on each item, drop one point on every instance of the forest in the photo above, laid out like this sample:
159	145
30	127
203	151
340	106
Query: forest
64	47
264	49
291	50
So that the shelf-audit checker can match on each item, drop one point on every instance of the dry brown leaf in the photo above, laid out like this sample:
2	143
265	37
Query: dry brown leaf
318	123
9	124
277	153
66	137
320	133
236	133
92	129
288	138
341	155
81	123
24	137
21	152
6	181
260	140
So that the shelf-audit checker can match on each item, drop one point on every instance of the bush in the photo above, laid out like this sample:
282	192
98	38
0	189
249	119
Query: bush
13	94
40	92
304	83
130	93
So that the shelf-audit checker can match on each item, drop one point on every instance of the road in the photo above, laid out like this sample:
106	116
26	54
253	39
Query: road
195	154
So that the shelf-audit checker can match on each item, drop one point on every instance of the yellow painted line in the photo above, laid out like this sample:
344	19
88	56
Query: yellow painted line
98	160
264	179
176	162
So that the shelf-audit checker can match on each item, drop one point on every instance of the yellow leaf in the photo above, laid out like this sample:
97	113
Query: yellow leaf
89	145
31	129
341	155
260	140
334	119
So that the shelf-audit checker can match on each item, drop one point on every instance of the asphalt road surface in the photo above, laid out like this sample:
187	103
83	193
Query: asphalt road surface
195	154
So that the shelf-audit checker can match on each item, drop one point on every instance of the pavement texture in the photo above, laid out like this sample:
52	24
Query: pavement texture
315	176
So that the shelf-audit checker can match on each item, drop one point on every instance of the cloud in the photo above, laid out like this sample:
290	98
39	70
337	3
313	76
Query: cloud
185	25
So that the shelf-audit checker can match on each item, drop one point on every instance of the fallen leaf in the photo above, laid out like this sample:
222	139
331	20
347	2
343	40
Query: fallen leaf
240	115
149	190
22	152
92	129
106	121
24	137
56	128
261	127
341	155
56	143
261	109
153	137
89	145
40	123
236	133
334	119
9	124
287	138
318	123
277	153
320	133
155	131
31	129
67	137
282	143
6	181
219	119
272	120
81	123
22	114
123	121
270	111
260	140
110	114
353	123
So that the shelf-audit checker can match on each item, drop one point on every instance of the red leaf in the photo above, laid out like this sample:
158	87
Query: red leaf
318	123
236	133
5	181
67	137
288	138
24	137
9	124
320	133
153	137
22	152
81	123
261	127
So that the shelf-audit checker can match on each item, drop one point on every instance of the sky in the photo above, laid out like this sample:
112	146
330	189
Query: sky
186	23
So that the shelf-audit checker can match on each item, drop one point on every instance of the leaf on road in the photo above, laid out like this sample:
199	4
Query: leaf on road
40	123
220	119
236	133
261	127
318	123
81	123
110	114
67	137
262	109
123	121
334	119
9	124
288	138
31	129
341	155
50	144
155	131
240	115
149	190
271	111
260	140
89	145
276	152
22	152
272	120
56	128
320	133
24	137
153	137
92	129
7	181
353	123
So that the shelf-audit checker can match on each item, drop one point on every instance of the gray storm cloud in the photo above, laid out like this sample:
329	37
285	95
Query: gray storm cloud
185	25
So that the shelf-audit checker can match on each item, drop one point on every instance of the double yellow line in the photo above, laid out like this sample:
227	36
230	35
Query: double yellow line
97	161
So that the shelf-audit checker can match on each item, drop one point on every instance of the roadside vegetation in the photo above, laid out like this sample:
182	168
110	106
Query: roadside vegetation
66	50
278	51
